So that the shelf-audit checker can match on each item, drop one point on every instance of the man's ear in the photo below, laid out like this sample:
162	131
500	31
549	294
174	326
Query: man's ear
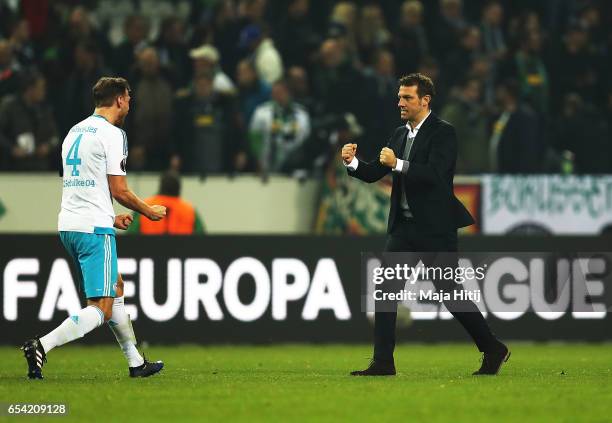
427	99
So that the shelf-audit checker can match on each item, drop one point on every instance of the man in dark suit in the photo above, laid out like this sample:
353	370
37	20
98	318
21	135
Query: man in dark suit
424	215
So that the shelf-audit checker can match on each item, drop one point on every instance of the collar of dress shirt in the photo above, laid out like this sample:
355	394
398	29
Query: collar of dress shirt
416	128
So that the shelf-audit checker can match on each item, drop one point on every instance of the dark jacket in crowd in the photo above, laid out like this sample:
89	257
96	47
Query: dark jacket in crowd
521	147
18	121
207	134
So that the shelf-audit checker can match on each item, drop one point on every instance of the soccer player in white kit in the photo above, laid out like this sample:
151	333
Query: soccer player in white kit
94	157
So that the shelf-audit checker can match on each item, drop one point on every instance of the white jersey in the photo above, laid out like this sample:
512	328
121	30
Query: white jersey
92	149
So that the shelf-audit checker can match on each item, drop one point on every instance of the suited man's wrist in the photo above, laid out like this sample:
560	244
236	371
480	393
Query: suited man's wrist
399	165
352	165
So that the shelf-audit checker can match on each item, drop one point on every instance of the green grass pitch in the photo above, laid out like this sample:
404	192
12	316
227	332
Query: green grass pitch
291	383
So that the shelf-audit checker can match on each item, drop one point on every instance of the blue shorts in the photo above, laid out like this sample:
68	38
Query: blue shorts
95	256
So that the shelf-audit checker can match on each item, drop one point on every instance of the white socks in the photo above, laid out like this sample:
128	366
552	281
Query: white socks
121	325
73	327
90	318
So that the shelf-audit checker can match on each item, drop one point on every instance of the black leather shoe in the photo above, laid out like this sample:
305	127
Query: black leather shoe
492	361
377	368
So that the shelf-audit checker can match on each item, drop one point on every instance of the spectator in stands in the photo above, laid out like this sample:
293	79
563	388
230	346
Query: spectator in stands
80	29
582	130
21	44
207	136
322	39
591	19
172	50
445	32
7	15
482	68
252	90
346	13
429	66
493	38
336	80
520	25
136	30
28	134
226	29
76	99
252	11
410	37
181	217
206	61
459	61
9	70
297	81
373	33
515	145
278	130
382	88
343	28
579	64
296	36
263	53
531	72
150	122
465	112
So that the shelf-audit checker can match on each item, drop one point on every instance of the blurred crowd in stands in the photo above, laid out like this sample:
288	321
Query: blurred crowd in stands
276	86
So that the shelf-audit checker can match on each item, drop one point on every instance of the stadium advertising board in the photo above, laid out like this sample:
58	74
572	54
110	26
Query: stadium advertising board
282	289
554	204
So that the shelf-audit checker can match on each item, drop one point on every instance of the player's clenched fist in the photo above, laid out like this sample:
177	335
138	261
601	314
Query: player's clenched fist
123	221
387	157
157	213
348	152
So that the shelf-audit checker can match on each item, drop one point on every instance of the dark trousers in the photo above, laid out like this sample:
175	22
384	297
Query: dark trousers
406	237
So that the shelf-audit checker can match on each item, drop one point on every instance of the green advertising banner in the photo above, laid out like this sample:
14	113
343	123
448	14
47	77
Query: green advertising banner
555	204
348	206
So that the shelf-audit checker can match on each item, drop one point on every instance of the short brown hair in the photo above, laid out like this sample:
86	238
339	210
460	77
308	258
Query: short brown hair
107	89
424	84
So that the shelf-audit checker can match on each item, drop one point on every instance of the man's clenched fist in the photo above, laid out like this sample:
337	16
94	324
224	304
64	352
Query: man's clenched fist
348	152
123	221
157	213
387	157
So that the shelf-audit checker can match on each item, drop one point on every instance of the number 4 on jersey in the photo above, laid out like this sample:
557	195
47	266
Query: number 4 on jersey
73	159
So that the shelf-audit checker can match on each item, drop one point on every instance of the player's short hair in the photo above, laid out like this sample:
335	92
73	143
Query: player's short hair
107	89
424	84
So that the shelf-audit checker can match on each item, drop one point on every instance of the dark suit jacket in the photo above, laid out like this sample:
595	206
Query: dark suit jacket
428	177
521	148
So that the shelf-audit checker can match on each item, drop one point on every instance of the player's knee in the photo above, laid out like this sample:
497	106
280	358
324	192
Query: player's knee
119	284
107	310
107	315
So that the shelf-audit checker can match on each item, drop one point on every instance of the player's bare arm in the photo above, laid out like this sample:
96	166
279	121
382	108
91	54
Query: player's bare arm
124	195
